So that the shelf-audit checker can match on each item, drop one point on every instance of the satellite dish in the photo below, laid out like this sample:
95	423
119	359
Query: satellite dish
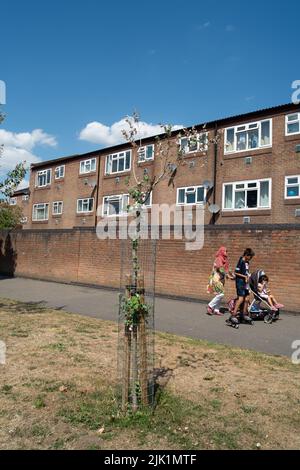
214	208
207	184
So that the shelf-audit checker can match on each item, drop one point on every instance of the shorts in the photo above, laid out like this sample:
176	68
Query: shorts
242	291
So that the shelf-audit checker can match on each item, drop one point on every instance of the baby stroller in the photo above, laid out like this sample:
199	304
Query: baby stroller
259	309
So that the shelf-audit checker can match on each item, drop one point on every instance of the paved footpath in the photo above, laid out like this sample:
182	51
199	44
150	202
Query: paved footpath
172	316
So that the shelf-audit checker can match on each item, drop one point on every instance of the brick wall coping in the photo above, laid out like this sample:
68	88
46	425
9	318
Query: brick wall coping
208	228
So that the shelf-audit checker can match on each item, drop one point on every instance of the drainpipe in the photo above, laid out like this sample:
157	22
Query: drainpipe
97	188
215	172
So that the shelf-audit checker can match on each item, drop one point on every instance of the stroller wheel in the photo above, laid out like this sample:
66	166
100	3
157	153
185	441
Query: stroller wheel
268	319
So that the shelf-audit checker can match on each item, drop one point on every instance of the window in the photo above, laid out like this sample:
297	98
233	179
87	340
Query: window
292	187
87	166
292	124
146	153
40	211
85	205
59	172
118	162
13	201
115	205
25	197
23	220
191	195
248	136
148	202
199	143
43	178
247	195
57	208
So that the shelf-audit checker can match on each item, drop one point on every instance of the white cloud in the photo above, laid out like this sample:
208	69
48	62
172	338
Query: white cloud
18	147
98	133
204	25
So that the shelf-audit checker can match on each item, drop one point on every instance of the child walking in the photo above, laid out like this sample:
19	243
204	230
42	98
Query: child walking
242	286
217	278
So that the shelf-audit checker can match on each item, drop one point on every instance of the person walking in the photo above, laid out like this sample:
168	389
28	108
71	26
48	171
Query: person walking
216	282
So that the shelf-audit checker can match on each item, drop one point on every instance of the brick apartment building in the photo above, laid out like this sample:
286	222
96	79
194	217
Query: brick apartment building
21	198
252	174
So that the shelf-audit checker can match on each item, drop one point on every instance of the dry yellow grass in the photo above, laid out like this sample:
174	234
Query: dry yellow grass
57	390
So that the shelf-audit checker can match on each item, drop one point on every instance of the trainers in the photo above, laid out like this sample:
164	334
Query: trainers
209	311
217	312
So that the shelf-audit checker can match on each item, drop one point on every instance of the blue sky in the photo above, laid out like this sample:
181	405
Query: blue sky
69	63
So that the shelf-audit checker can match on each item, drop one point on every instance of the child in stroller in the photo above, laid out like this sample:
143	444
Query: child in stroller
259	308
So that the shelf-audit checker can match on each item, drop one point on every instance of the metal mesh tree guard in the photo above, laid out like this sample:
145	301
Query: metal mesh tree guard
136	324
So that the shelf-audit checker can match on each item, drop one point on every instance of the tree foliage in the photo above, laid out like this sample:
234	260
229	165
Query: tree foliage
10	216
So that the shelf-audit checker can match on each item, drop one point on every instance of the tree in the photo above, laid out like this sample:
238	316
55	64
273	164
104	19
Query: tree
170	155
10	216
14	177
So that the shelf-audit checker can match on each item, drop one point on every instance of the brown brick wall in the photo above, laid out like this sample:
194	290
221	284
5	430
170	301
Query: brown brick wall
78	256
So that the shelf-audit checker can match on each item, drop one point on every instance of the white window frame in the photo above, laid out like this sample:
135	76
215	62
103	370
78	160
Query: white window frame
143	150
190	189
46	205
294	121
83	164
41	173
121	197
58	168
117	156
186	149
246	182
57	204
25	197
247	128
287	185
13	201
85	199
24	220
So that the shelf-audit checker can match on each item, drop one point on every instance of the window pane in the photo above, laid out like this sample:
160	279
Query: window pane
228	197
293	128
200	195
293	191
114	166
127	165
264	194
184	144
292	117
149	152
230	140
190	198
125	202
91	204
265	133
121	164
93	166
241	141
253	139
80	206
239	200
193	145
114	206
252	198
292	180
181	193
141	154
